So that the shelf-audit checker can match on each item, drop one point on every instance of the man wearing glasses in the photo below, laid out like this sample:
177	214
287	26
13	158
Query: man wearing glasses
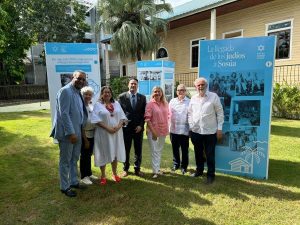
69	118
179	129
206	118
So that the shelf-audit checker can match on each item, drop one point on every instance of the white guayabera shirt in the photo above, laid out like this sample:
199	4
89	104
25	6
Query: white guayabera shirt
179	120
205	114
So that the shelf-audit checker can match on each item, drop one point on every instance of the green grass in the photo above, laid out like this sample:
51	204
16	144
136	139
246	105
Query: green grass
29	192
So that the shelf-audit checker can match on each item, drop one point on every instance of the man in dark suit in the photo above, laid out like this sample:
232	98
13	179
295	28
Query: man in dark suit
69	118
133	105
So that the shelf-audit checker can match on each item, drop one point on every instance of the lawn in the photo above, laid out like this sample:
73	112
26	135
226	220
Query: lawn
30	186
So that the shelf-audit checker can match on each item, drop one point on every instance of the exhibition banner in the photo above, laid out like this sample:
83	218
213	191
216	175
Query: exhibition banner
240	71
62	59
156	73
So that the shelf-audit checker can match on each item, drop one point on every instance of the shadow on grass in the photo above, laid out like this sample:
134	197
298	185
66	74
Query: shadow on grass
22	115
6	137
284	173
285	131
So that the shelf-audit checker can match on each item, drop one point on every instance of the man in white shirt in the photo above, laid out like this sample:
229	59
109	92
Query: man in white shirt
179	129
206	118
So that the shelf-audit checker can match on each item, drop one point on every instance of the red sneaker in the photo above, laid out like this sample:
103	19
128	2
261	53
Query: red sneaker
116	178
103	181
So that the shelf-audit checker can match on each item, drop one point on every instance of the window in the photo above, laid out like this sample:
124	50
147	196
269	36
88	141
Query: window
233	34
162	53
194	52
124	70
282	30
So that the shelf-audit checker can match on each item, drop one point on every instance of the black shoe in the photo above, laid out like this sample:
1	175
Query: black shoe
68	192
139	173
197	174
78	186
183	171
210	180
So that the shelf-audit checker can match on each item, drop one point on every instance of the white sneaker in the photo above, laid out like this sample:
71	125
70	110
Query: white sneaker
155	176
93	177
86	180
160	172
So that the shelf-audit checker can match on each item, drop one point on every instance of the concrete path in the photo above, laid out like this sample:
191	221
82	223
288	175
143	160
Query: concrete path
26	107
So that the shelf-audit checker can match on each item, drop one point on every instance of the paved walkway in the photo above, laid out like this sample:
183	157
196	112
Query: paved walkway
26	107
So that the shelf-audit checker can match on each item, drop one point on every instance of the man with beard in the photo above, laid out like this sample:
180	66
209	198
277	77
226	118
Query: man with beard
69	119
206	118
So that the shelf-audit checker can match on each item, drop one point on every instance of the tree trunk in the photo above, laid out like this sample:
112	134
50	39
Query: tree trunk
139	55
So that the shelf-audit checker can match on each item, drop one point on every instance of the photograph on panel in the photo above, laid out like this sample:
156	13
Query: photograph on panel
246	113
243	139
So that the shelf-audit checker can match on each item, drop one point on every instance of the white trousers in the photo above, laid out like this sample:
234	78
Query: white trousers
156	147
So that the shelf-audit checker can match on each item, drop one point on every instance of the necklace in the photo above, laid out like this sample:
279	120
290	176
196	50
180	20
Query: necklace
110	108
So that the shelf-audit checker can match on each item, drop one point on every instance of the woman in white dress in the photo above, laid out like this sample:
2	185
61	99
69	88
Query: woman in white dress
109	143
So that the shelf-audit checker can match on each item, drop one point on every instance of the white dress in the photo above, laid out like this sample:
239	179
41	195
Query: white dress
108	146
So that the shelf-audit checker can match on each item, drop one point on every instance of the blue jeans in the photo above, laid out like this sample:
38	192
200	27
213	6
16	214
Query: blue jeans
69	155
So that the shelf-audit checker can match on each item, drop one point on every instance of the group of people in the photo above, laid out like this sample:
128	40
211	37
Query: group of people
108	128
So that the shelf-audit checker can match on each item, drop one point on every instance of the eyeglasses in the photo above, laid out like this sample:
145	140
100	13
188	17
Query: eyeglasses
81	79
181	90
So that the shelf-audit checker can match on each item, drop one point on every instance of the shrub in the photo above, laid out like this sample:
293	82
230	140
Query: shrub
286	101
119	85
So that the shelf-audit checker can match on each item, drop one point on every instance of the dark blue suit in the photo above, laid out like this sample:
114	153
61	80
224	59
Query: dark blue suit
136	117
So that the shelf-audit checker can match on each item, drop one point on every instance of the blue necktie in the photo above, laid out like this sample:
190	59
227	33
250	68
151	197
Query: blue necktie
133	101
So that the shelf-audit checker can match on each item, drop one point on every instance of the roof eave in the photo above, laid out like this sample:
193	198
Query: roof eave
209	7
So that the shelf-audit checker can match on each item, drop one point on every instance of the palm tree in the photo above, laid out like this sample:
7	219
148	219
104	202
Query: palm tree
134	25
253	153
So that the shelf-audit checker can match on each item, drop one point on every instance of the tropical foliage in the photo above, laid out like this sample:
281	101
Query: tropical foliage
25	22
286	101
133	24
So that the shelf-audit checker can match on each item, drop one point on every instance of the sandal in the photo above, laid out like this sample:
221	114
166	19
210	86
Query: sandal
103	181
116	178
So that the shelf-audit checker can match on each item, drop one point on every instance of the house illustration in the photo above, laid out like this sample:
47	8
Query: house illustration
240	165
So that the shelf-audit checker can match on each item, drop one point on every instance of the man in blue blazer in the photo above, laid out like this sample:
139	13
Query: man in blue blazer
133	105
69	118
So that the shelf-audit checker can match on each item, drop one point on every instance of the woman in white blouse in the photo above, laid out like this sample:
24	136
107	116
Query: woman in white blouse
88	139
109	143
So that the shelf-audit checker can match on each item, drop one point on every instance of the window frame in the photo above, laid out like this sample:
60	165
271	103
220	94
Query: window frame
191	47
282	29
165	58
233	31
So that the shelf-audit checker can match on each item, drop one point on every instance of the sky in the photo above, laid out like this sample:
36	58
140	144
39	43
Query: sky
177	2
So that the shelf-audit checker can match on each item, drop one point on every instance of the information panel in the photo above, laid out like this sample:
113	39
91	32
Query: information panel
240	71
63	59
156	73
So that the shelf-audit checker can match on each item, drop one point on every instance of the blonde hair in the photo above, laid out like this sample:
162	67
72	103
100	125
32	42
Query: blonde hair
163	98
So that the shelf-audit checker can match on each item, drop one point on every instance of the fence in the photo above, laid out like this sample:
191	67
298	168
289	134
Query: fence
15	94
289	74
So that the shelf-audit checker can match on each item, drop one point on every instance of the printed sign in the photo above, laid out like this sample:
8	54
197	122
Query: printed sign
156	73
240	71
63	59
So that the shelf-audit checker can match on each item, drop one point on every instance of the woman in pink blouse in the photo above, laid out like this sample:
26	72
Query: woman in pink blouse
156	116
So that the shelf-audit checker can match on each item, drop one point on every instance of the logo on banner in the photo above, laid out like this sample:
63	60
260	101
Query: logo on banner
260	52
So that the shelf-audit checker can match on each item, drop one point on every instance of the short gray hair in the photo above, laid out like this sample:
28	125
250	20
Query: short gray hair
86	89
200	78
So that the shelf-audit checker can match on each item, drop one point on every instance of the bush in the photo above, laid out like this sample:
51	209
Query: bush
286	101
119	85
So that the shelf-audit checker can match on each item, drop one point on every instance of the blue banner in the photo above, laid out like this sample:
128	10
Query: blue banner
156	73
71	48
240	71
